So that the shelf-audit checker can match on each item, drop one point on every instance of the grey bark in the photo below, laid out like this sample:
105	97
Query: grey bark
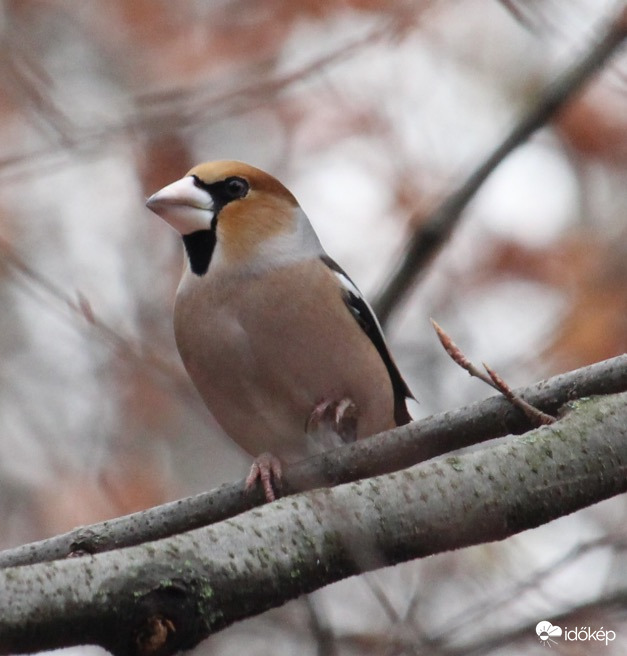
398	449
160	597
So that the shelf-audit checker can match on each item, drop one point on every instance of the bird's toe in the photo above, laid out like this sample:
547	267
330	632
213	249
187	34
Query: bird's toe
267	469
335	418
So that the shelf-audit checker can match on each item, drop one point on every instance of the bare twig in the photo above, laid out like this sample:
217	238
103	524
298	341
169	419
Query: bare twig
171	376
458	356
601	607
432	235
520	14
29	79
500	641
535	416
180	108
512	594
323	635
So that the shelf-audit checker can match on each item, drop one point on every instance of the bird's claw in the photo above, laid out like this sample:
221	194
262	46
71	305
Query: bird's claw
267	469
338	416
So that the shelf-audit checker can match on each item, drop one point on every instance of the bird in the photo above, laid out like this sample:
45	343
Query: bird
284	350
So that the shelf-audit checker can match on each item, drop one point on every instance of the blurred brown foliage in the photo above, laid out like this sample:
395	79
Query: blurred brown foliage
372	112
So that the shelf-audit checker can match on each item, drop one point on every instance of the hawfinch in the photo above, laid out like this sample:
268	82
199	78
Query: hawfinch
285	352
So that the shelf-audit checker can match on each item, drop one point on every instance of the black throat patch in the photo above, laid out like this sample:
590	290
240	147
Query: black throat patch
199	246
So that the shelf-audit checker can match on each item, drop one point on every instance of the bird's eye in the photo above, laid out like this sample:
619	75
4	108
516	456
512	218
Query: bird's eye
236	187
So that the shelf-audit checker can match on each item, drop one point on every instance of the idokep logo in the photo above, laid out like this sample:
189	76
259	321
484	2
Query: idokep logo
548	634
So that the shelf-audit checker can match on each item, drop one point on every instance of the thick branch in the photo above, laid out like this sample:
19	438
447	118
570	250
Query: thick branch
165	596
430	236
384	453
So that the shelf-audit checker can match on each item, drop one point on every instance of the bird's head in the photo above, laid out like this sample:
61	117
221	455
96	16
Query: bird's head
230	207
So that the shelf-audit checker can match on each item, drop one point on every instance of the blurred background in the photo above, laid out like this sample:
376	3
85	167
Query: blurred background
371	112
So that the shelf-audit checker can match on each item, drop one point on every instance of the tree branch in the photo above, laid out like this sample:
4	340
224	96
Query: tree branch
535	416
432	234
390	451
165	596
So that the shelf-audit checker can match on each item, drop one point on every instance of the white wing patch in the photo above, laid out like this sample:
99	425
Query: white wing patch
351	287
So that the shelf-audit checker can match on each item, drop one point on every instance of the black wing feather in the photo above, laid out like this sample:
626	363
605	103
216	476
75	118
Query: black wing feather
366	319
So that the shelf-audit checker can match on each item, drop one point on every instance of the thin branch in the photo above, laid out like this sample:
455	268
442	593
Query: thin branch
499	641
170	377
478	610
30	81
184	107
322	634
615	601
457	355
390	451
159	598
535	416
172	108
518	13
432	235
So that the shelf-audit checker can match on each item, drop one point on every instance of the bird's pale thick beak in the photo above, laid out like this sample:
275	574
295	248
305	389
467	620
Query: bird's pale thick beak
186	207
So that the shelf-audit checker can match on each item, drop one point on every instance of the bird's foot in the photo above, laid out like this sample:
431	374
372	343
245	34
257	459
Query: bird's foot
339	417
267	469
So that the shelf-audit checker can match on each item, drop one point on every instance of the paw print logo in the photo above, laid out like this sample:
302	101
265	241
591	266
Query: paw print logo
547	632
